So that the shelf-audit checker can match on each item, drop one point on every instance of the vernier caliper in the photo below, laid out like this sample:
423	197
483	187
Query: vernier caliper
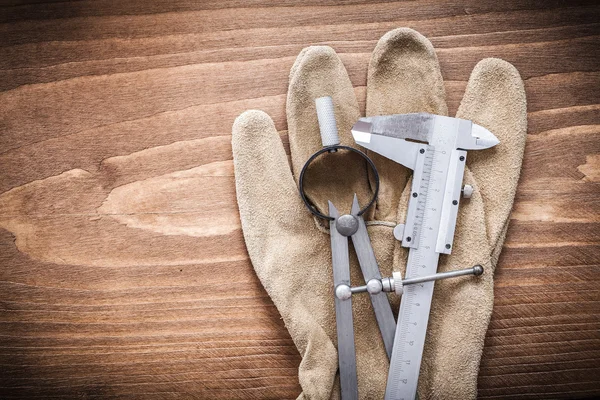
353	225
437	153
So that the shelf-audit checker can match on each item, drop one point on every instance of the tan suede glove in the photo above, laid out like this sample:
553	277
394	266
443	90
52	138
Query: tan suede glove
290	249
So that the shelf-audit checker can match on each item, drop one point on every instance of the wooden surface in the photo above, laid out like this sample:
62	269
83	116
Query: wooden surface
119	232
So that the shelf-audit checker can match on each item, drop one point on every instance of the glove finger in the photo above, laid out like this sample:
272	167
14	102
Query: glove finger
404	77
289	255
318	72
495	99
266	192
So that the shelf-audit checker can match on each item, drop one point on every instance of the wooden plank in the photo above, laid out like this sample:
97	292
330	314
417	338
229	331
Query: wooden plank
118	263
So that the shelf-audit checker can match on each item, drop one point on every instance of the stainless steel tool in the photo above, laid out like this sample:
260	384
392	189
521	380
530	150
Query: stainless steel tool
435	148
353	225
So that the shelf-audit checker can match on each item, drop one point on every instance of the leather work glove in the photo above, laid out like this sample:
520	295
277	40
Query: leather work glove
290	249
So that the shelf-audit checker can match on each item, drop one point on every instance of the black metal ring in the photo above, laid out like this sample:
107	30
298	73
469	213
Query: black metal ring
310	207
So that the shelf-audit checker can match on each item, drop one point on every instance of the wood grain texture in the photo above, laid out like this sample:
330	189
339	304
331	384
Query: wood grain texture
119	233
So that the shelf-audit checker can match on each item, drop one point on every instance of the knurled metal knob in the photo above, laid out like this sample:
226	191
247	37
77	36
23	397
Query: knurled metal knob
327	123
398	286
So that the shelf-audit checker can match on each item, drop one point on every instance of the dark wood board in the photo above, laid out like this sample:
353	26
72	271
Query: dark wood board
119	232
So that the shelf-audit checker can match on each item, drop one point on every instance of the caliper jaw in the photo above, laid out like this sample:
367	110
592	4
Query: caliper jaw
417	127
394	148
479	139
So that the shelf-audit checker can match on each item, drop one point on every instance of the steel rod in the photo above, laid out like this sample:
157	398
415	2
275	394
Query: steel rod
476	270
